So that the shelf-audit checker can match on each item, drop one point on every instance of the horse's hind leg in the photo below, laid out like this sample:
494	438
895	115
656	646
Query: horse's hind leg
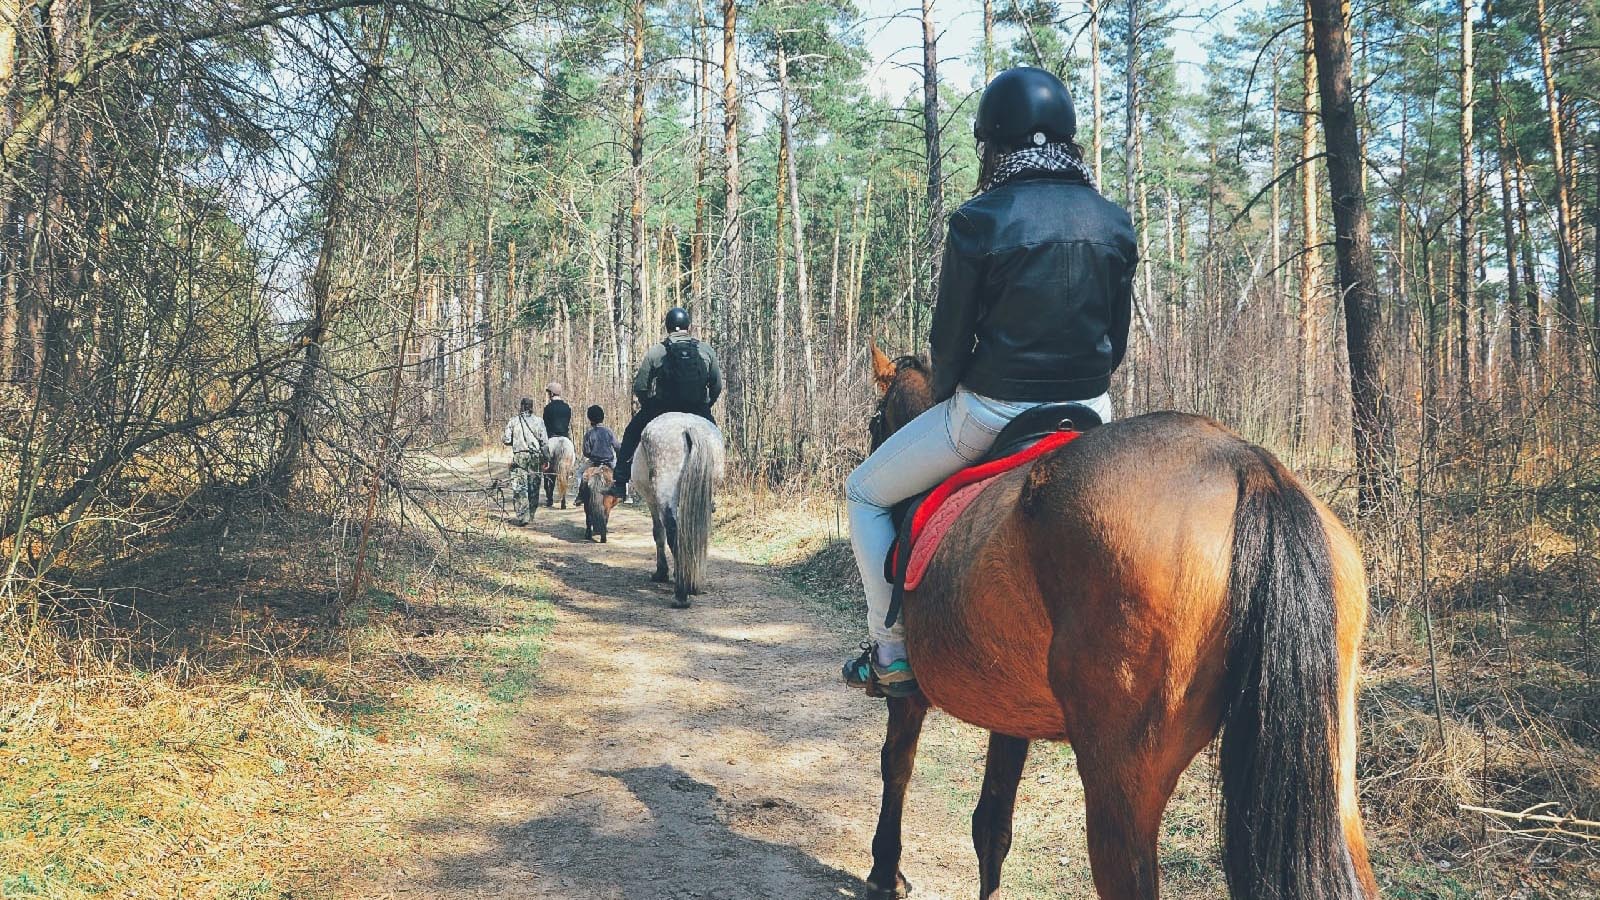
680	593
660	534
899	757
1125	792
991	821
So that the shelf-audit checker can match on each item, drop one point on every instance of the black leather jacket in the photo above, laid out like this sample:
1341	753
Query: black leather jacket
1036	293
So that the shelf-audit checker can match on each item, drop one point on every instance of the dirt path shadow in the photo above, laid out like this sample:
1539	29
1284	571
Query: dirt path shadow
708	752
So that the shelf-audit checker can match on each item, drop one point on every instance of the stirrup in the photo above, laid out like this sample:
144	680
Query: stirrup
893	680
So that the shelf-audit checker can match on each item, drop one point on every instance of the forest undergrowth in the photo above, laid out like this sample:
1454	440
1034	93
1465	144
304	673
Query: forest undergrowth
192	722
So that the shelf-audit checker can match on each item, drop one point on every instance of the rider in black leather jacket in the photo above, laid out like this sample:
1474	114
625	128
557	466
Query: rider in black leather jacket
1034	302
1036	292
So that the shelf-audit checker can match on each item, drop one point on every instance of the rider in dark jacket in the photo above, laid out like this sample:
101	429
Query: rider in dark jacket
1034	296
680	374
1033	307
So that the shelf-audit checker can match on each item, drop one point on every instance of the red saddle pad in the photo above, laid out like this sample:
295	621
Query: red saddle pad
950	499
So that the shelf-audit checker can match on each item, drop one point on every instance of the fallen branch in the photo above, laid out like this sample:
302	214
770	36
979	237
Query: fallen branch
1549	824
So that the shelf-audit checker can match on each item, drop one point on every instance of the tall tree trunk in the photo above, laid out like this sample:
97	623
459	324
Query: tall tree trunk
1594	311
614	314
636	315
1309	240
1277	192
852	311
732	249
296	426
802	275
487	331
10	13
1095	89
780	310
1566	290
1464	246
702	119
1371	417
1508	227
1533	320
930	138
988	40
1131	100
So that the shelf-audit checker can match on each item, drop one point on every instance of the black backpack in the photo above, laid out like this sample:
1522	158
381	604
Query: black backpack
684	378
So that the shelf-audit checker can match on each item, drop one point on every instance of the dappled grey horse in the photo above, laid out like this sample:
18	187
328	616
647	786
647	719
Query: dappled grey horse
680	462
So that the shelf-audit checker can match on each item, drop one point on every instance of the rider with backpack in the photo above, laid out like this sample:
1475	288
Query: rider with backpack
680	374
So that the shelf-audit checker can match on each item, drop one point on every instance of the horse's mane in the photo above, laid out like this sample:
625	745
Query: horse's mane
914	363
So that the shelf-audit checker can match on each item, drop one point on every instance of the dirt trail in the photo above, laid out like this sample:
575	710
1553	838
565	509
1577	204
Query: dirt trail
708	752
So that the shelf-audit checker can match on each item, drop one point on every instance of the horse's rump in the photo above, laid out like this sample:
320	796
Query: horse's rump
562	454
1125	518
680	461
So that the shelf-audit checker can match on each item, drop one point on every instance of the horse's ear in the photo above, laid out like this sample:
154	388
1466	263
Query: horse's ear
883	370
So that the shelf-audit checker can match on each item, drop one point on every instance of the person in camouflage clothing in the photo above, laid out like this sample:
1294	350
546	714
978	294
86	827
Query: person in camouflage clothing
529	444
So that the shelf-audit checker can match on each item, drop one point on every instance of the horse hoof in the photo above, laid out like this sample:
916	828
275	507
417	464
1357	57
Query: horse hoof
680	603
902	888
660	578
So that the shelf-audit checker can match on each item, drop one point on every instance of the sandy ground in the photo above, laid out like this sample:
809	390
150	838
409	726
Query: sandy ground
702	753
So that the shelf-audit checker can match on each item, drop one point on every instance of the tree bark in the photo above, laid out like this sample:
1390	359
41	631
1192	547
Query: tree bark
1371	419
635	318
930	137
988	40
732	245
1464	247
1508	226
1533	320
802	274
780	311
702	127
1276	214
1306	334
1096	120
1566	291
1131	108
487	333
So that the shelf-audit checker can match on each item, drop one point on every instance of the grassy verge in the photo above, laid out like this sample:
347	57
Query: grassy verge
229	741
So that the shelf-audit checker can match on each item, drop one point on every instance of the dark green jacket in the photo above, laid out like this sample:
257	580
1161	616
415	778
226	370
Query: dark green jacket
647	380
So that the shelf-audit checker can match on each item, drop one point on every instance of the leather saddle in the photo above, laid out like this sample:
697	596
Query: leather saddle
1018	435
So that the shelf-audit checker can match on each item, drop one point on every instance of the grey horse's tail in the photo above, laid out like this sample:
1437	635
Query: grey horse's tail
694	514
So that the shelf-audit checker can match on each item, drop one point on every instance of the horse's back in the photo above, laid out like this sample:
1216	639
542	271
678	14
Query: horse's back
1113	549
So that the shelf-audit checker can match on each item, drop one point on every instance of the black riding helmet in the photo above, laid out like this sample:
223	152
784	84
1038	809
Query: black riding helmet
1021	103
677	319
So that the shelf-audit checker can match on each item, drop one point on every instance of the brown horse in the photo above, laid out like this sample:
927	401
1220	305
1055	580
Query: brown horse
1155	582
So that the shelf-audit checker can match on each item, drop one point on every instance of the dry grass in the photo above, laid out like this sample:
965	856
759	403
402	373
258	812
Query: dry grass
218	736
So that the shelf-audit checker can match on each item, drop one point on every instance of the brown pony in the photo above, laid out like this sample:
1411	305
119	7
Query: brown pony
1155	582
596	503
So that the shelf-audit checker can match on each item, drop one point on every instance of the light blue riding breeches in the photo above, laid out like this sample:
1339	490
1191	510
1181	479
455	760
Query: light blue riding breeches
935	445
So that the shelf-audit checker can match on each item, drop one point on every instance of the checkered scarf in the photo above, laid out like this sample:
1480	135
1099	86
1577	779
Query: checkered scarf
1049	158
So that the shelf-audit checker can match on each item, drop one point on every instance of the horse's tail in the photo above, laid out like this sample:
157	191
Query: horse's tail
1285	799
694	513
